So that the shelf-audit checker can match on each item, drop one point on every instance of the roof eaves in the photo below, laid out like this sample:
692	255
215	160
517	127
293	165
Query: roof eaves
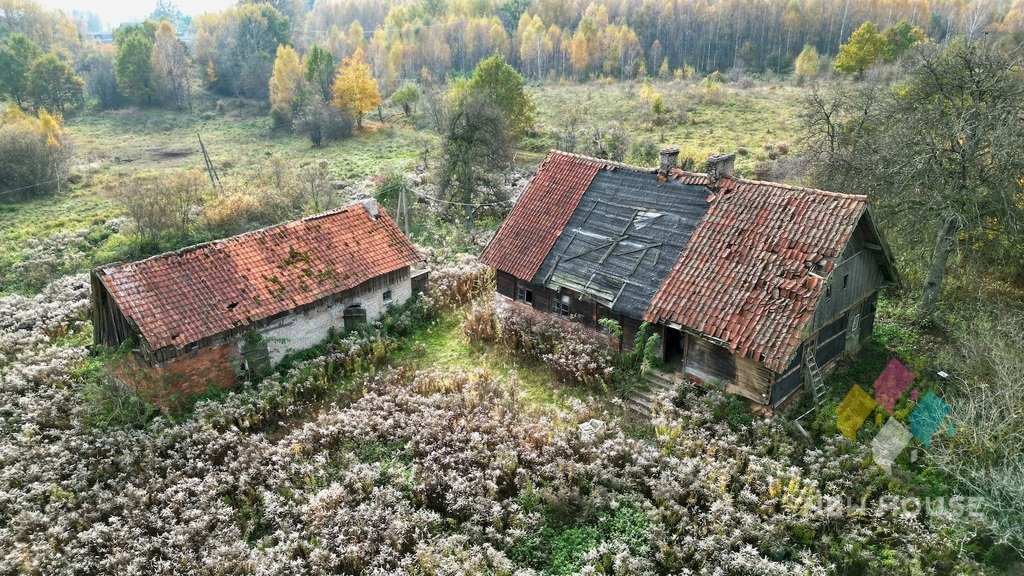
887	257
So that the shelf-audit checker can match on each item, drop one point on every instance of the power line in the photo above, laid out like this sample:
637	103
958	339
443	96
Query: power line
452	202
12	190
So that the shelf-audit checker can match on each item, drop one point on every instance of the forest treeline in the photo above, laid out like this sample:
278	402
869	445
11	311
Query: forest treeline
232	51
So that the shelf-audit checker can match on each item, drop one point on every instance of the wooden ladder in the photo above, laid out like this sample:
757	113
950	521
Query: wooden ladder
814	373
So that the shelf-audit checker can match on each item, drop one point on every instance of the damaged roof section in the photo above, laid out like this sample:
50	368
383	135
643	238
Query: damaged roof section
623	238
757	266
540	216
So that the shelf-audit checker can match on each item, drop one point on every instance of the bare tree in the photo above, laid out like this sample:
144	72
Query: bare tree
142	197
184	195
476	152
570	126
315	188
938	152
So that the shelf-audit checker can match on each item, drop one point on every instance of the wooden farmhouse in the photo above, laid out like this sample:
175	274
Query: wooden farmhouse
206	315
755	285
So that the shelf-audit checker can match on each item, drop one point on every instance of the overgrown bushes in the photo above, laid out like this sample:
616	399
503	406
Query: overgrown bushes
459	284
574	355
985	456
438	472
34	153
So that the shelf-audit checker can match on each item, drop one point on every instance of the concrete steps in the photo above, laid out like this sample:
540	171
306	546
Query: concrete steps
656	387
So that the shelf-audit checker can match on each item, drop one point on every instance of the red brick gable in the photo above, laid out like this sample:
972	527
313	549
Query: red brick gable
182	297
756	265
531	229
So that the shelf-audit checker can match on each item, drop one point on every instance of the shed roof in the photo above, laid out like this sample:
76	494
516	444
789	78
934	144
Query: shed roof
181	297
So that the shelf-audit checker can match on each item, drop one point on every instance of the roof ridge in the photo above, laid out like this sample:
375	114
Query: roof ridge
783	185
210	243
602	161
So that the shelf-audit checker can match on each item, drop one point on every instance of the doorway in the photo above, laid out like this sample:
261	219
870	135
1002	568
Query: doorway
675	349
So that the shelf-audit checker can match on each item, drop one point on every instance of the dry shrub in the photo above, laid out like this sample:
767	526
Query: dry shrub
243	206
481	324
985	456
574	354
460	284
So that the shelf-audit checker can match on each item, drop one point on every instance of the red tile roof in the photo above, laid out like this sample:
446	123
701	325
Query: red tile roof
756	265
181	297
529	232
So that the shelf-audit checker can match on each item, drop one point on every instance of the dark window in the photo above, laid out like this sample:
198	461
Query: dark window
193	346
524	294
387	295
561	305
828	293
846	281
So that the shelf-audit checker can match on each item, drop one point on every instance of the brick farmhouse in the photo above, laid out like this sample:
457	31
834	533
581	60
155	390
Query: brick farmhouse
751	284
204	316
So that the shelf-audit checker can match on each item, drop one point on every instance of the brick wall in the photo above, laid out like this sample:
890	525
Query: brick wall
170	384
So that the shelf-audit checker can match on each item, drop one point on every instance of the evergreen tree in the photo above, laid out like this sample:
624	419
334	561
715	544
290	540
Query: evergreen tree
17	52
319	70
133	67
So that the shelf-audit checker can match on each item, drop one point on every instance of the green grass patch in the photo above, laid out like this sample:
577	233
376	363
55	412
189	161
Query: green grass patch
559	546
239	136
443	344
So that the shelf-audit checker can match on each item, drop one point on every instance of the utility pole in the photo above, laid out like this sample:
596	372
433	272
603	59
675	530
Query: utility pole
402	213
214	179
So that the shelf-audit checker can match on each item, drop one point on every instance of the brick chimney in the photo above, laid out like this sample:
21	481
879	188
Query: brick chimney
720	166
669	159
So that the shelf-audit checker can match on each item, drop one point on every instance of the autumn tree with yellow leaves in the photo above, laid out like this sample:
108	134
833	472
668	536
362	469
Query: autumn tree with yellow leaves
34	153
286	85
171	67
355	89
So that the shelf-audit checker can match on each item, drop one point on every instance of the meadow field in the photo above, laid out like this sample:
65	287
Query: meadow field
112	146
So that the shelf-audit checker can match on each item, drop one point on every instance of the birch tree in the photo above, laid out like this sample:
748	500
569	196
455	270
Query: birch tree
170	67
